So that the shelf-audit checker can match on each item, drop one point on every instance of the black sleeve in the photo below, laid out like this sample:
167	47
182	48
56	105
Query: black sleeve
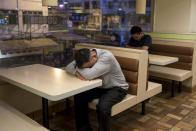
148	41
130	42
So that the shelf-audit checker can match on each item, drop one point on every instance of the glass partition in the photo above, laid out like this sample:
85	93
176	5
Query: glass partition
8	24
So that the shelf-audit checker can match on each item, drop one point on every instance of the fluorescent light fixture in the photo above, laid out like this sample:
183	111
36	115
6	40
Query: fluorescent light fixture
61	5
49	2
65	2
140	6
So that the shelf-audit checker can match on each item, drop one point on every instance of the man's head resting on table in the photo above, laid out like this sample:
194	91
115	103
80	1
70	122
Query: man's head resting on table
85	58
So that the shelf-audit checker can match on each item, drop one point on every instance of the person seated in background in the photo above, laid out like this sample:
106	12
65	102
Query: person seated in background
138	39
70	25
90	64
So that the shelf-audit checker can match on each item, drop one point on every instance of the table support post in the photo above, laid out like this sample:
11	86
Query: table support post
45	113
143	107
172	89
180	87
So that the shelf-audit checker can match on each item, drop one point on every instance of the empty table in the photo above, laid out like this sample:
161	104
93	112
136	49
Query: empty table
161	60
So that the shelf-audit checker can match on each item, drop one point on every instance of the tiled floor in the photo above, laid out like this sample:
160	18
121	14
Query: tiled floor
163	113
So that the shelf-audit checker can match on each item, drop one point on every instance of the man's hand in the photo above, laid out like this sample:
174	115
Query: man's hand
140	48
145	47
132	47
128	46
80	76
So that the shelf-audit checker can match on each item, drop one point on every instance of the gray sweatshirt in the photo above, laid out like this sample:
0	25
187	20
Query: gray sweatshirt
106	68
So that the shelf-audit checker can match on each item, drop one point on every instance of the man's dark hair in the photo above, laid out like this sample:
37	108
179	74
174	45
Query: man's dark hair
135	30
82	56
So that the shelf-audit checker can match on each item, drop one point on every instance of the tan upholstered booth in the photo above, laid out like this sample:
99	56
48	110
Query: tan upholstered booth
182	71
134	64
185	54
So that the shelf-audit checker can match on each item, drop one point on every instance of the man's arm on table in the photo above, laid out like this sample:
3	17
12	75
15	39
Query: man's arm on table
141	48
72	69
101	67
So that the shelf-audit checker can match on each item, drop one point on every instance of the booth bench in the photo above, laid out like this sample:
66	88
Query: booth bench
134	64
178	71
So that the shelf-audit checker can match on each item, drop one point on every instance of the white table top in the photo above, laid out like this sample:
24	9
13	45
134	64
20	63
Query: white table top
48	82
161	60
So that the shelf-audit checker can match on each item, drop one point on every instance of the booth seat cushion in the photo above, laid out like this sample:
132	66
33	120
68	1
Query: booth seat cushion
130	70
169	73
181	65
153	89
130	100
127	102
173	49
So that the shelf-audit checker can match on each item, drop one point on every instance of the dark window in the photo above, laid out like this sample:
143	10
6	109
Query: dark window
8	17
86	5
132	4
110	5
148	3
32	17
95	4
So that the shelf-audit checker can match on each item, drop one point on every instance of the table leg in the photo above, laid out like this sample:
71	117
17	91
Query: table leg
173	89
45	113
143	107
43	57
